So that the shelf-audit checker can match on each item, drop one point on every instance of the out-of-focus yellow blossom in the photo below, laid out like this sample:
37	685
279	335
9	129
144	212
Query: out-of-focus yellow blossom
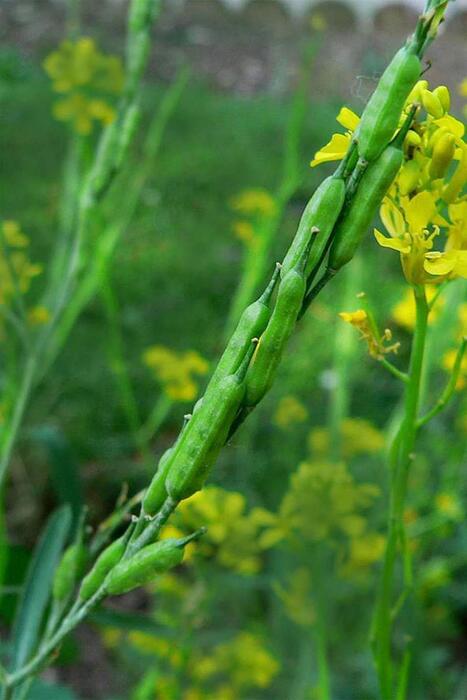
175	371
364	551
376	343
410	516
245	232
434	574
156	646
13	236
339	143
449	359
449	504
289	411
358	435
16	270
403	313
38	315
318	22
79	70
245	661
322	501
81	112
258	206
296	597
255	202
232	533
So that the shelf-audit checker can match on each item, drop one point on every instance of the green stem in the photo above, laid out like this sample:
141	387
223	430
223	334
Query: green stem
402	456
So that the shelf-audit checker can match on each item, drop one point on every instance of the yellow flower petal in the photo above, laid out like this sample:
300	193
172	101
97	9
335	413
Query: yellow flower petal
348	119
334	150
392	218
419	211
394	243
439	263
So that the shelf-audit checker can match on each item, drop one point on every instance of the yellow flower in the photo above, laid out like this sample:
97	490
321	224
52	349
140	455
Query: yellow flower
79	63
245	232
365	550
376	343
289	411
409	227
339	144
175	371
232	534
322	501
82	111
13	236
255	202
463	88
360	436
403	313
246	662
38	315
79	70
448	504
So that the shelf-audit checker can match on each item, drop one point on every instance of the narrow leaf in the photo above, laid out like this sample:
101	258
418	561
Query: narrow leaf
37	586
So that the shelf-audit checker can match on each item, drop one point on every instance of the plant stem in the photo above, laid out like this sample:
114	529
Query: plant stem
402	456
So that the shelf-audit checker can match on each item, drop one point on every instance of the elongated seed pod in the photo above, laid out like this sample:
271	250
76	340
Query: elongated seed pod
156	492
356	218
320	214
382	113
205	434
69	570
103	564
145	564
252	323
261	372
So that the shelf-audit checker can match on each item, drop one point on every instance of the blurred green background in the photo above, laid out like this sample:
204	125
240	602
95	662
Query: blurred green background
171	283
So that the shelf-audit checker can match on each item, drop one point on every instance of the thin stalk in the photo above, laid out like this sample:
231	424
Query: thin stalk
402	455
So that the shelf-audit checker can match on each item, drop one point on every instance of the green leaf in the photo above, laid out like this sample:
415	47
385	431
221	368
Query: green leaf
36	590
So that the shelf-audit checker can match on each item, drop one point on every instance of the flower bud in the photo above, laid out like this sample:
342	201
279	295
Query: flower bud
432	104
443	153
442	93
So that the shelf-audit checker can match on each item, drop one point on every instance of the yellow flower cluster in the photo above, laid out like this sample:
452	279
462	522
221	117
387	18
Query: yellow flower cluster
225	672
176	371
244	660
425	212
358	436
79	70
289	411
323	502
257	206
16	270
232	536
296	597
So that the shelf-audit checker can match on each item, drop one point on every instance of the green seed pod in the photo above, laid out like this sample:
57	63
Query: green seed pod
260	374
156	492
382	113
252	323
142	567
443	153
320	214
104	563
127	131
69	570
206	433
357	217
